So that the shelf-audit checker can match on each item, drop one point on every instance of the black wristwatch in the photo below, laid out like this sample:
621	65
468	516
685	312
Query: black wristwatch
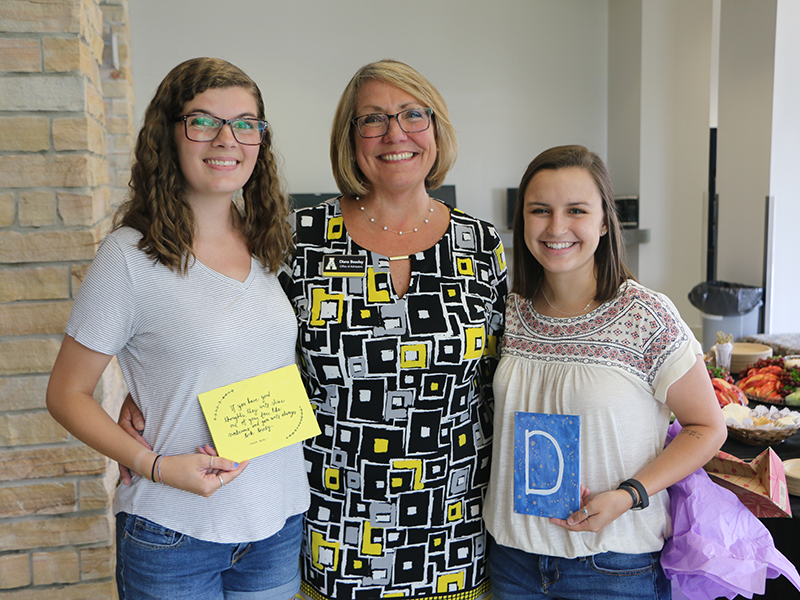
633	487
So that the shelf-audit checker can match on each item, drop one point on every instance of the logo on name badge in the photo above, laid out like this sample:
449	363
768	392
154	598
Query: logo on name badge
344	265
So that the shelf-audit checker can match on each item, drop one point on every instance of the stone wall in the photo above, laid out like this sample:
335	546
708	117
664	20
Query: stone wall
66	129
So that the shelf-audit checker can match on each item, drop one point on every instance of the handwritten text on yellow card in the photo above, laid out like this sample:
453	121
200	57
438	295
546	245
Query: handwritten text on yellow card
258	415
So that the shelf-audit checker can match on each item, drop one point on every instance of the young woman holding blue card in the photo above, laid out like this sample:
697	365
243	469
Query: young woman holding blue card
583	338
178	292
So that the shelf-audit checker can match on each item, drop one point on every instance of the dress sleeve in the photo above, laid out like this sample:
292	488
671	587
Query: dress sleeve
103	315
496	318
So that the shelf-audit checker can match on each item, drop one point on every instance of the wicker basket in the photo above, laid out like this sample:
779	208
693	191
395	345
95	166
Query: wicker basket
762	437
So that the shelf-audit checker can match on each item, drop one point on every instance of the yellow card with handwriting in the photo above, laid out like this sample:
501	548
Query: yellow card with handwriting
258	415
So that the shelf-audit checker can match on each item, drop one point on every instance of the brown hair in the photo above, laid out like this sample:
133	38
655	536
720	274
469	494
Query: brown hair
611	270
349	178
157	206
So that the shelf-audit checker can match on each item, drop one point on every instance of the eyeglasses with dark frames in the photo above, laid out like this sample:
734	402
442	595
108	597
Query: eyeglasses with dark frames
411	120
202	127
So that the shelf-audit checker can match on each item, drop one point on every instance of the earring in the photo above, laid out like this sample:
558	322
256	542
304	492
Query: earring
603	232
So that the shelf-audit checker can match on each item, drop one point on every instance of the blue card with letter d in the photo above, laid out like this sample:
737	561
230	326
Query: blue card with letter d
546	464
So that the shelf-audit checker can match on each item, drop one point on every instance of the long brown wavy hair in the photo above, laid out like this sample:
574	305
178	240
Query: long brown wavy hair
157	205
608	257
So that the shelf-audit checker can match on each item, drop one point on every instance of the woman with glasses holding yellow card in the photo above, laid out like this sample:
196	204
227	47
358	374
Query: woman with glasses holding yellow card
400	301
184	291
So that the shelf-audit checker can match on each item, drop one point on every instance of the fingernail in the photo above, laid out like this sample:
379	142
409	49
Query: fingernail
235	465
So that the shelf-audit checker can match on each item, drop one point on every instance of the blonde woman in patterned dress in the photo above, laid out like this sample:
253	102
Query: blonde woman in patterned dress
400	302
584	338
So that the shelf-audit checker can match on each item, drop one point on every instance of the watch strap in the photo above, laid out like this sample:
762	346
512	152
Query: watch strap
631	485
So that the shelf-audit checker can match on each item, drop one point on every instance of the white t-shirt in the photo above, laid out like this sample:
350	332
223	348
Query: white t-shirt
177	336
612	367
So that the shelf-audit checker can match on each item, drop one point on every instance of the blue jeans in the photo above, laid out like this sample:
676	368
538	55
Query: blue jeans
156	563
518	575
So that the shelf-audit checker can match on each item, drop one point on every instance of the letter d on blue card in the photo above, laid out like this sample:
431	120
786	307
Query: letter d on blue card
546	464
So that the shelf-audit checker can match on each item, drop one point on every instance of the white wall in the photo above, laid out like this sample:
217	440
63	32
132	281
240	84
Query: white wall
624	94
784	299
747	51
625	104
676	71
519	76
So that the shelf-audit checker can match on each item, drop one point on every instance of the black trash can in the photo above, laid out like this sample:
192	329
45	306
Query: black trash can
728	307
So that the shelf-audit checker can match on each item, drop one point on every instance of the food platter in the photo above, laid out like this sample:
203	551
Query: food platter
771	381
766	401
758	407
761	426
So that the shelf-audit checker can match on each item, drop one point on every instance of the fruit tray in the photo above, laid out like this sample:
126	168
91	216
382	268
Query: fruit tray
771	381
762	437
768	401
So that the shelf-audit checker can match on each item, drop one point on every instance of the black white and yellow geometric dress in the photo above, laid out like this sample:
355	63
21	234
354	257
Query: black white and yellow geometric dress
402	391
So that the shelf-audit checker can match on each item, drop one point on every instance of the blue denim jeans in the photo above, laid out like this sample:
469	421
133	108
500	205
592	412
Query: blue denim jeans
156	563
518	575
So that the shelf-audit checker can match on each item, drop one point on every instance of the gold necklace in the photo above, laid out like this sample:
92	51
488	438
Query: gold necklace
585	308
384	227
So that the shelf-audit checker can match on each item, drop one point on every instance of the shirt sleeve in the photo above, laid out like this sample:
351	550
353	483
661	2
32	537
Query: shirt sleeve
680	355
103	314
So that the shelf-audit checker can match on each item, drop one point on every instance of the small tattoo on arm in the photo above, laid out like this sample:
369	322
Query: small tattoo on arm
691	432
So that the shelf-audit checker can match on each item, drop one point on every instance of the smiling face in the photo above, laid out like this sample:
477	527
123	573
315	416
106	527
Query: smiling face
564	221
397	161
221	167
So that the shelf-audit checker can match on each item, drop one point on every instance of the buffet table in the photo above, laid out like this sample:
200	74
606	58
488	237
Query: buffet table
785	532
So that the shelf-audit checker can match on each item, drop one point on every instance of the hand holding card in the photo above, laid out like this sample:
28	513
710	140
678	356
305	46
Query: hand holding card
258	415
546	464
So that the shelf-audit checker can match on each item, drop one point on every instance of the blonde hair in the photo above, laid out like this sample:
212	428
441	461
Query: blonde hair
157	206
349	178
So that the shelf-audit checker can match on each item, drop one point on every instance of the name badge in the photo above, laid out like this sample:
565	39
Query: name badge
344	265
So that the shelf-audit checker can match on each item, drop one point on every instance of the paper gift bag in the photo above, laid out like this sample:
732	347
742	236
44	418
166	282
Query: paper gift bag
760	484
